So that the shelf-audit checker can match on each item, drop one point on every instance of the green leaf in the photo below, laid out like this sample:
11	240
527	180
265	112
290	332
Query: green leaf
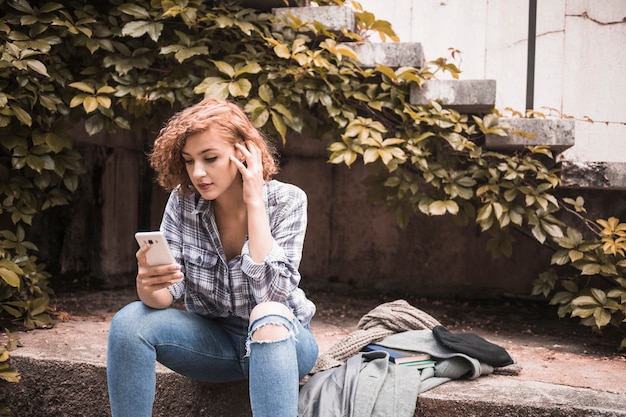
570	286
35	162
599	295
224	68
134	10
484	213
539	234
583	312
561	297
279	125
602	317
137	29
37	66
38	306
21	114
560	257
240	88
265	93
552	229
439	208
590	269
70	182
10	277
249	68
185	53
585	300
210	85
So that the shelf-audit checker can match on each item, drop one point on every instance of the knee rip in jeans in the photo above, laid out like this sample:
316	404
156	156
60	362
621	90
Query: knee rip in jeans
274	320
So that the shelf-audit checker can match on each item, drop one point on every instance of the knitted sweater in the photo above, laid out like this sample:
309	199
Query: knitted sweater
384	320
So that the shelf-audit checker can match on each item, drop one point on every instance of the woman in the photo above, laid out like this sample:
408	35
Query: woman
237	236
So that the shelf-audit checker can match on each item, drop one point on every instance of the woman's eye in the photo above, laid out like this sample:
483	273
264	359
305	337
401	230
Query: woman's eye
211	159
188	161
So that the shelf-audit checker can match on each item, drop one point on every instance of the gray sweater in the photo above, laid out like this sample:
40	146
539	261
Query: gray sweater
369	385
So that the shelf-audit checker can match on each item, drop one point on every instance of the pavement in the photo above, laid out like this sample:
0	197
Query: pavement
63	368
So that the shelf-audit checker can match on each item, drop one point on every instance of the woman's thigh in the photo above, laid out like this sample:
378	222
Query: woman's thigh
200	348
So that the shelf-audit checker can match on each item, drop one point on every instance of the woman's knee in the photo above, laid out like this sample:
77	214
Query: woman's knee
271	330
125	321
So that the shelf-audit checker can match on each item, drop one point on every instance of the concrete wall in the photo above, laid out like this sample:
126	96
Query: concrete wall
351	243
579	57
355	244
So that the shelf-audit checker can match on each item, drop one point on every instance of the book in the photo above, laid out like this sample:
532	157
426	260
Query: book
397	355
420	364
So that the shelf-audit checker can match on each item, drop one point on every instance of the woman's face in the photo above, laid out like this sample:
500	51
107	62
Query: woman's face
207	159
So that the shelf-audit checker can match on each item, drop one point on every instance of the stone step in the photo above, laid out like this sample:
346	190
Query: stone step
390	54
464	96
64	375
593	175
71	389
559	134
334	18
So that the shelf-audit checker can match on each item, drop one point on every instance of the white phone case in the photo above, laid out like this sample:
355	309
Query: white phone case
159	253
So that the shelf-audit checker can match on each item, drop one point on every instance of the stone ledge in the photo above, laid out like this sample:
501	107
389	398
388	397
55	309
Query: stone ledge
464	96
391	54
70	389
63	374
499	396
594	175
335	18
559	134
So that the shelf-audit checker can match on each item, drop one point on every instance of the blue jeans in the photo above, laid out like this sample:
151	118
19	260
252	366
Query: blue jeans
205	349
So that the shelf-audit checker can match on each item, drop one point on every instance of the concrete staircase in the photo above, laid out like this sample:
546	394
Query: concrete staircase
471	96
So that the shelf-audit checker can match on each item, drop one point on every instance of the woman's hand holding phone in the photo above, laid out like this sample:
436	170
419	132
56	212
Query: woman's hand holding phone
155	276
156	270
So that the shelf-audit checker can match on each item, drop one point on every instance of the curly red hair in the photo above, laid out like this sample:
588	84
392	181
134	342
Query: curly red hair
226	117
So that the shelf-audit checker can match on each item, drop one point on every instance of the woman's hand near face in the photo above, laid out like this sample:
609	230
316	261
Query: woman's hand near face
152	281
251	172
259	234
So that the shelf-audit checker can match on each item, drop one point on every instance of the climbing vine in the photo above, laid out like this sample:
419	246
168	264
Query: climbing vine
118	65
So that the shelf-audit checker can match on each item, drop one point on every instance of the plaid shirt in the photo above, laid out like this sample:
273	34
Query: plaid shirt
215	287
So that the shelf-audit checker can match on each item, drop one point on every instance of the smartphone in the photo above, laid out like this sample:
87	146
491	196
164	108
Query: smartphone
159	253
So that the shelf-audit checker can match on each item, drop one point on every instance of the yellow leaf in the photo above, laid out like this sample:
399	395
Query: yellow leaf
437	208
240	88
77	100
370	155
337	147
83	87
104	101
106	90
90	104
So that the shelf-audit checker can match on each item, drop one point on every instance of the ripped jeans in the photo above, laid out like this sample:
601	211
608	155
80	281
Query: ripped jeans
203	349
